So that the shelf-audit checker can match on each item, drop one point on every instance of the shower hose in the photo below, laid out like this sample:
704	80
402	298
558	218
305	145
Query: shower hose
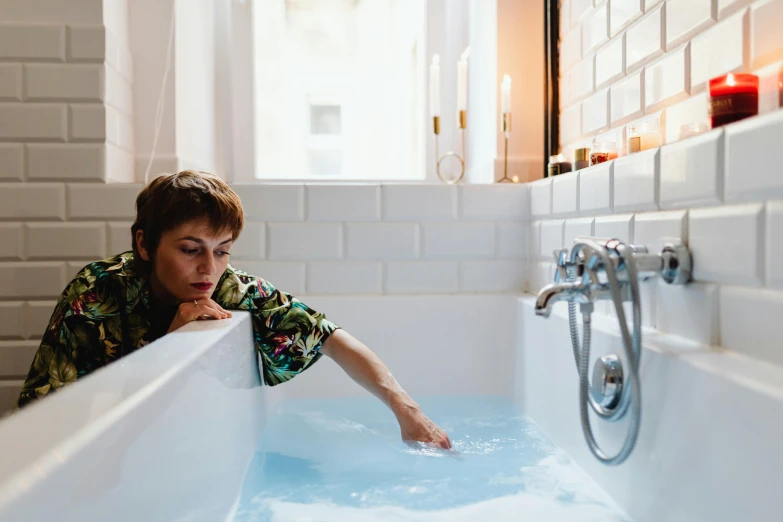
631	392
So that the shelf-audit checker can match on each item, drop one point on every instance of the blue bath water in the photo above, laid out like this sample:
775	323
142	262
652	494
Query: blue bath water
343	460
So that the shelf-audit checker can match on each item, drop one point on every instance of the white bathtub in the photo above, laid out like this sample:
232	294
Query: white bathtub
179	420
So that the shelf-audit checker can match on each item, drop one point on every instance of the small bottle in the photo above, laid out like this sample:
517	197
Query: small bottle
644	135
581	158
603	151
558	165
693	129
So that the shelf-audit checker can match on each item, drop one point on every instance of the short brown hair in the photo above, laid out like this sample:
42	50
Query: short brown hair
173	199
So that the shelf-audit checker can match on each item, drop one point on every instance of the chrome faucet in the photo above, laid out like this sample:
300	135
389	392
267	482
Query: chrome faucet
581	277
599	269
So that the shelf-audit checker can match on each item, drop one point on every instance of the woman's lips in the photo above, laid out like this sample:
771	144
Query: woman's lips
201	286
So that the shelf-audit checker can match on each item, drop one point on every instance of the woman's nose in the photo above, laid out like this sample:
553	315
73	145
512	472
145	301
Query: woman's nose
208	266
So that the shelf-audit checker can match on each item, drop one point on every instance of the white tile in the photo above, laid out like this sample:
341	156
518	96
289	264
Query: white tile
581	78
666	80
119	238
11	235
102	201
299	241
769	87
649	4
551	237
692	110
574	228
565	195
491	276
721	49
45	82
37	315
344	277
692	171
272	202
32	201
119	93
65	241
686	18
285	276
422	277
512	240
493	202
727	244
17	357
60	161
570	49
87	122
753	159
458	240
609	62
9	393
571	123
689	311
541	197
32	42
636	181
33	121
378	241
726	7
11	82
595	29
595	112
774	243
565	17
615	227
622	13
12	315
750	322
626	98
419	202
31	280
644	41
579	8
343	202
534	240
595	189
656	229
86	43
766	37
11	162
251	243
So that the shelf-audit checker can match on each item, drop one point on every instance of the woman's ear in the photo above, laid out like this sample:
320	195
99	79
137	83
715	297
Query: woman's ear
140	245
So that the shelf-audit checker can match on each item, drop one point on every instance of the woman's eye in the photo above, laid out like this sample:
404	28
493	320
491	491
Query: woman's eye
221	254
189	251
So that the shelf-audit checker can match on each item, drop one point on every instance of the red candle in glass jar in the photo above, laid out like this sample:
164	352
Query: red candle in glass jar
733	97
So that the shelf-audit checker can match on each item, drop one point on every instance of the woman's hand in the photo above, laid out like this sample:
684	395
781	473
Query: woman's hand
190	311
415	426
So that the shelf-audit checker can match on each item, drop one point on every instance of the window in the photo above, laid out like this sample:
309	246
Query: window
339	89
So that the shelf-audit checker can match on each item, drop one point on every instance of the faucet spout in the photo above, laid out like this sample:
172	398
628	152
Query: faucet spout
552	293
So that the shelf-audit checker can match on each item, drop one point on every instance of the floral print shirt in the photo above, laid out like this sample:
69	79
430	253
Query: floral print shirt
107	312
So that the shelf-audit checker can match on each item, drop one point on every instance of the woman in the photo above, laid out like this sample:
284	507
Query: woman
178	272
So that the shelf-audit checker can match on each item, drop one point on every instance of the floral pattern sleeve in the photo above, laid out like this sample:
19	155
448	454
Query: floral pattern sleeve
288	334
65	352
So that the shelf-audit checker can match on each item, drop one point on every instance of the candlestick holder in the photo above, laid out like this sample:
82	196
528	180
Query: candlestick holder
506	133
463	123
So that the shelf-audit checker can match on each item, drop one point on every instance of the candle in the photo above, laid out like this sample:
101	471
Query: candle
435	86
603	151
733	97
558	165
505	94
643	136
462	81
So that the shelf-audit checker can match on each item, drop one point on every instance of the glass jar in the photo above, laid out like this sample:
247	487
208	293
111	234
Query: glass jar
643	135
603	151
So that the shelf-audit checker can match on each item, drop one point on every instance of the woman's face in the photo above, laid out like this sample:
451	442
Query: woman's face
188	262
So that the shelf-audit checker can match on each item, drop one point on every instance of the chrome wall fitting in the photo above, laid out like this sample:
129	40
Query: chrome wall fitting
608	269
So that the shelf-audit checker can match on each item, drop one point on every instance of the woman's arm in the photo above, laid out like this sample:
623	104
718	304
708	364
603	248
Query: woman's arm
364	367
